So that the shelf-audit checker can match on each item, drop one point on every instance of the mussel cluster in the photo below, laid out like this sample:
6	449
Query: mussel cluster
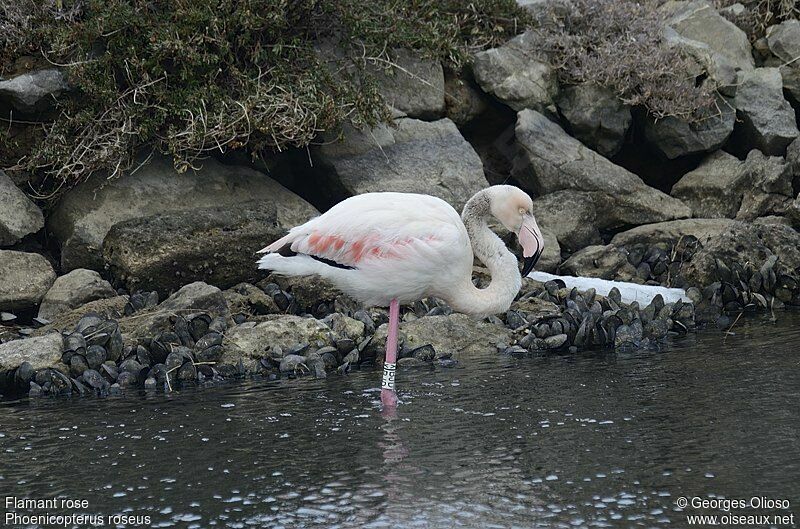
660	263
749	287
585	319
99	363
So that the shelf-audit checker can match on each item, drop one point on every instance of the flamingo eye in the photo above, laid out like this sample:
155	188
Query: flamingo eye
522	211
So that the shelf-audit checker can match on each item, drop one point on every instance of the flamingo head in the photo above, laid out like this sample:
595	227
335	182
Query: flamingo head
514	209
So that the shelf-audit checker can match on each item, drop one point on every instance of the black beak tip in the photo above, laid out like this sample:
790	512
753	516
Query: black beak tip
528	263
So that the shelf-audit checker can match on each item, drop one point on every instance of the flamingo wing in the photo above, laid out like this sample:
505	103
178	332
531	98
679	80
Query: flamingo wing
373	228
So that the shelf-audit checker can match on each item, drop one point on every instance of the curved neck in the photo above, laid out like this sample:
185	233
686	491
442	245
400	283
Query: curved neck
487	246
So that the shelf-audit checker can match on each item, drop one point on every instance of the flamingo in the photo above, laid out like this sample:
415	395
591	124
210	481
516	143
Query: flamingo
384	249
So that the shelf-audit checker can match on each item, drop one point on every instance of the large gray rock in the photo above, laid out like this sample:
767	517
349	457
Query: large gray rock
253	341
41	352
196	296
216	245
549	160
24	279
784	40
464	101
767	120
551	255
711	68
714	189
703	229
699	21
459	334
33	91
571	216
515	75
413	157
412	85
605	262
18	215
596	116
674	137
73	290
84	216
724	186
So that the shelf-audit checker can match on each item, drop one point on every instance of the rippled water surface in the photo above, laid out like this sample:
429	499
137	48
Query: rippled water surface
595	439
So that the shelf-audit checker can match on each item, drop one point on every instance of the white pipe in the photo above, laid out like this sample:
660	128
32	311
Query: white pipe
630	292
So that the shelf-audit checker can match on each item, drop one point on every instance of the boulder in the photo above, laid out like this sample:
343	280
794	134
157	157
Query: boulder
254	340
714	189
784	40
457	333
107	308
73	290
699	21
550	160
33	91
766	119
412	85
793	212
571	216
196	296
87	212
746	243
18	215
724	186
703	229
674	136
41	352
706	65
192	298
604	262
597	117
464	101
514	74
249	299
215	244
26	278
412	157
551	255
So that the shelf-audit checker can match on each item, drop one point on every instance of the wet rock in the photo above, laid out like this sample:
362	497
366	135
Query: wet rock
457	332
556	341
550	160
596	117
87	212
345	327
34	91
250	299
293	364
110	308
767	120
26	277
412	157
513	74
40	352
18	215
571	216
248	341
72	290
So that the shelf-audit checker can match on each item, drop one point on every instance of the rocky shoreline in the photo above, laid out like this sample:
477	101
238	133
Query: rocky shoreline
148	280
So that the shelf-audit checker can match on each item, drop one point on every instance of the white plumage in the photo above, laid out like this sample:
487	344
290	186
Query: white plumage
399	245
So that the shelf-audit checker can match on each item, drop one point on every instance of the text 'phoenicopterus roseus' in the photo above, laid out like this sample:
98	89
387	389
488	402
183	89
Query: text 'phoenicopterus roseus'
391	248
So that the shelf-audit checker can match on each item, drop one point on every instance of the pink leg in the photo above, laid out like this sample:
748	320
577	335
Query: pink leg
388	395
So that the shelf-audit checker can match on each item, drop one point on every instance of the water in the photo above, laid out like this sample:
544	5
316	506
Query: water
597	439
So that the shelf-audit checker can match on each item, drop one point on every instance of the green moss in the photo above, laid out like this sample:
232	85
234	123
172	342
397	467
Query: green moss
189	78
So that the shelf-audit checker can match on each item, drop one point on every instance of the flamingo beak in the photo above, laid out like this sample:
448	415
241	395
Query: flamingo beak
532	242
